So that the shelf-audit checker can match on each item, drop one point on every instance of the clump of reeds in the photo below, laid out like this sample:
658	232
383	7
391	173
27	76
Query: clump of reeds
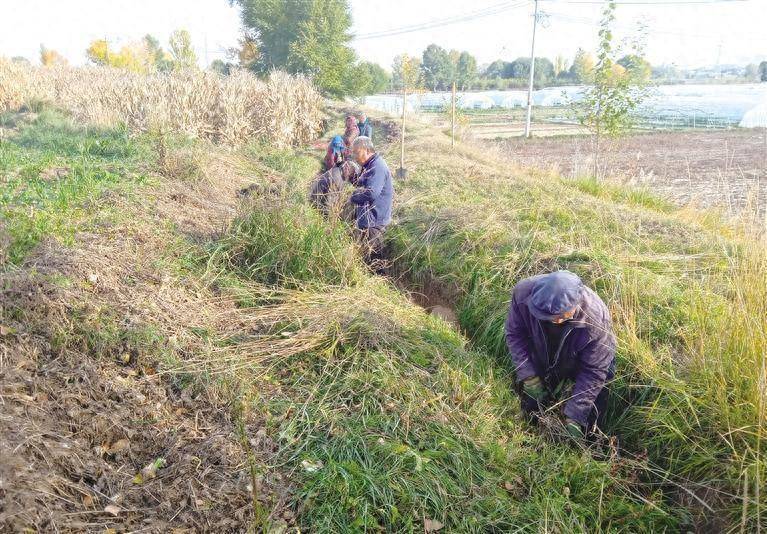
231	110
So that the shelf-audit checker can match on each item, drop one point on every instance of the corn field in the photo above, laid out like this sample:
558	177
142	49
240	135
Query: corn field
229	110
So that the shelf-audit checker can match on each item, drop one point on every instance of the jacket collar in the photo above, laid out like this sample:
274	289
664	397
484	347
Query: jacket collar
370	161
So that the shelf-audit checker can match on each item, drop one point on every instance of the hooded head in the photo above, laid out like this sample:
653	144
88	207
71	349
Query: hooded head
555	294
337	143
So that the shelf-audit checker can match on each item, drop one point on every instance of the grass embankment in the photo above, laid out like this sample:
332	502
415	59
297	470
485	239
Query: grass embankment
688	295
352	408
389	419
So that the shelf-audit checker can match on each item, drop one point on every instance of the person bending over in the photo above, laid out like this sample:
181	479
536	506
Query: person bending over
558	330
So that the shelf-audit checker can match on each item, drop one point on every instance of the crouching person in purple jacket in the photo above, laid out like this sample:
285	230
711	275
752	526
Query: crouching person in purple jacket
558	330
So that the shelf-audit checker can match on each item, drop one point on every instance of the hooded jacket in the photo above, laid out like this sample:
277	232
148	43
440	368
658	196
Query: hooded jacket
366	128
587	347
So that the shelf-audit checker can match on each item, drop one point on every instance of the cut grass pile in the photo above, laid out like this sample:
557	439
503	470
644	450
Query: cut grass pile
687	292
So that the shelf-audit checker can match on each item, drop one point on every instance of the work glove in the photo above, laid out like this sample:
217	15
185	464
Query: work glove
533	387
574	429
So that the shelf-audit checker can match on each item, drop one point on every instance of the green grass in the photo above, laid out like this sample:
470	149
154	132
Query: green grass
687	295
383	417
56	176
383	414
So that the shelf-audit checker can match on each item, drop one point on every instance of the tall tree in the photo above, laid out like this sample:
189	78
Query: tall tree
321	50
182	50
49	57
763	71
497	69
98	52
637	66
406	72
378	79
437	69
520	68
135	57
582	67
308	36
466	71
159	57
560	66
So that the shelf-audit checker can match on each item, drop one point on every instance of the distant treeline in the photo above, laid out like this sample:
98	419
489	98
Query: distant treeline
438	68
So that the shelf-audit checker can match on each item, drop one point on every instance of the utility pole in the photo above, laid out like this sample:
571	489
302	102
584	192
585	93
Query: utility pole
532	74
452	119
402	173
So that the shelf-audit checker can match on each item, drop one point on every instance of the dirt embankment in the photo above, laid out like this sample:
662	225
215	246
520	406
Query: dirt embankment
93	434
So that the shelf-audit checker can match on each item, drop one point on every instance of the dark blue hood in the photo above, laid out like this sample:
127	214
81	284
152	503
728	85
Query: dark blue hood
555	294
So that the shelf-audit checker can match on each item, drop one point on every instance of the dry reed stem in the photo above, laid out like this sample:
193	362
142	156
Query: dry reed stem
230	110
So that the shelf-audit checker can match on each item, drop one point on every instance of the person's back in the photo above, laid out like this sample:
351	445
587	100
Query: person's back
326	192
364	126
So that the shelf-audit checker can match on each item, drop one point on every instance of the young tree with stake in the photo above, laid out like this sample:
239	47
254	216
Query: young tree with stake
615	93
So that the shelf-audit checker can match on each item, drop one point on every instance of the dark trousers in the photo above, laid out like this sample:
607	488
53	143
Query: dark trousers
371	240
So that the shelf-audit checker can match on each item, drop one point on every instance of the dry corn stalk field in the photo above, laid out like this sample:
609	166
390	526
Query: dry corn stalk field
227	109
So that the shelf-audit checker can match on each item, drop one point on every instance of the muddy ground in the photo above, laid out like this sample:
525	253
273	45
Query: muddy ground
722	168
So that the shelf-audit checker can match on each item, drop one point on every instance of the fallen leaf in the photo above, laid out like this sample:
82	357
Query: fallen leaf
87	500
508	485
6	330
566	491
311	467
432	525
112	509
119	445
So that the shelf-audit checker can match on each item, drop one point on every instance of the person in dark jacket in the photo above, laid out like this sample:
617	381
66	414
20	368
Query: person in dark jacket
558	330
335	153
364	125
372	200
326	192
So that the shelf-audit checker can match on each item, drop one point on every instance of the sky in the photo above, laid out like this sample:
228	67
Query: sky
689	33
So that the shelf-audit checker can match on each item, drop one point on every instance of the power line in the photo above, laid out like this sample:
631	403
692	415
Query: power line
436	23
591	22
649	2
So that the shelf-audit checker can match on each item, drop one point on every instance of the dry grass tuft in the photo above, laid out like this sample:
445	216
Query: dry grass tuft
230	110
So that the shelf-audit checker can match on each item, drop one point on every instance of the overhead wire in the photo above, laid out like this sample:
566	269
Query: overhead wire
436	23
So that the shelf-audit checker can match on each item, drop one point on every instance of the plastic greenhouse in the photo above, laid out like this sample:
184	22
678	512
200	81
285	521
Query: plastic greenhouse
755	117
